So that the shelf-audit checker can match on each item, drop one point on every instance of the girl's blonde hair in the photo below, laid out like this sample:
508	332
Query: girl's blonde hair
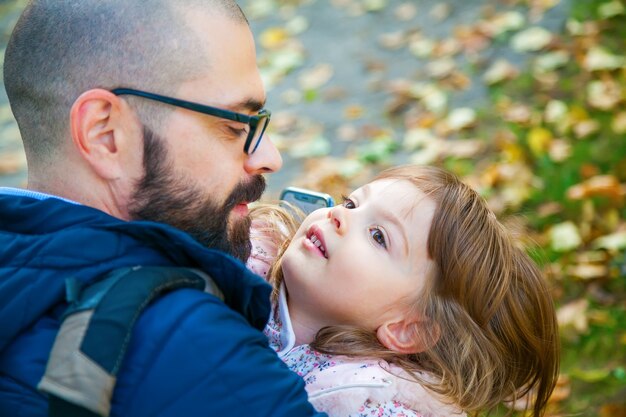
494	332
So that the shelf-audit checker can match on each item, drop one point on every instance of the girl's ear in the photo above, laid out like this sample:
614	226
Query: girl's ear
408	336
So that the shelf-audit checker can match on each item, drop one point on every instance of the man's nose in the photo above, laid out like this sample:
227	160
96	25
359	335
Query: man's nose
265	160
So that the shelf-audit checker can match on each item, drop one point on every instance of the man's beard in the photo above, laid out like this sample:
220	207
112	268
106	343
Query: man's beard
165	197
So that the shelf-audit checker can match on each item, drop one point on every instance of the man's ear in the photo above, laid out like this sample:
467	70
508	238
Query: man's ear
408	335
100	126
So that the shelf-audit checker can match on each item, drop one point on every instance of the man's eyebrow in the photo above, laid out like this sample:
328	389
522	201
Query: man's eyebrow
251	105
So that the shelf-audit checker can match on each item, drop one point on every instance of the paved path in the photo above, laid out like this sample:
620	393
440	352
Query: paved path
342	46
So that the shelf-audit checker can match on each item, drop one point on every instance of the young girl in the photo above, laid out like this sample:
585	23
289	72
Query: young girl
409	299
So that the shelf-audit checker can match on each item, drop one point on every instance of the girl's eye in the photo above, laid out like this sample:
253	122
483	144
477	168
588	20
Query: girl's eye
378	236
347	203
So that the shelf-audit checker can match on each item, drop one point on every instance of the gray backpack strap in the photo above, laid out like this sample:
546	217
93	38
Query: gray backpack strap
92	341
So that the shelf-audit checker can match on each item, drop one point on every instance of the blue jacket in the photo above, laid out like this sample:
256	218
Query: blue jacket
190	353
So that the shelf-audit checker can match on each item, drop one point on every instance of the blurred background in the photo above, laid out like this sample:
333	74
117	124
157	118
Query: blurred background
524	99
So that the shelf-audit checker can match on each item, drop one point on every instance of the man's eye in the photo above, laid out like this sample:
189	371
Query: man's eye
347	203
378	236
241	132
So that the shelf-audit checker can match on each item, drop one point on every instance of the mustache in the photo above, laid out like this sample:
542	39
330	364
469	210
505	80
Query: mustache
246	192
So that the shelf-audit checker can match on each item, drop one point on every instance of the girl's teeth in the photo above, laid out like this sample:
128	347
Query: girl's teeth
317	243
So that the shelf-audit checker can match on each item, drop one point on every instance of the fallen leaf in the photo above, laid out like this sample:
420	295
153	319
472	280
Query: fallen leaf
13	162
518	113
590	375
472	39
600	185
551	61
613	410
447	47
274	38
291	96
441	11
461	118
297	25
586	128
564	237
499	71
347	133
377	151
374	5
532	39
433	98
588	271
318	146
502	23
613	242
353	111
611	9
539	140
576	28
440	68
259	9
619	123
405	11
574	315
463	148
316	77
418	138
555	111
560	150
599	58
604	95
427	155
392	40
549	209
422	47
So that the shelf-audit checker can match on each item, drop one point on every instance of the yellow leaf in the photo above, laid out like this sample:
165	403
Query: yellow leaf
354	111
512	152
619	123
578	114
591	375
539	140
274	38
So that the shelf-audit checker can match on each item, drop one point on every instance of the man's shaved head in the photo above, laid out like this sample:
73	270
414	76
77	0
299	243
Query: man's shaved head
62	48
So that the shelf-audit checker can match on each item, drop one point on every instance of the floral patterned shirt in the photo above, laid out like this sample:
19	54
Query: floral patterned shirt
303	360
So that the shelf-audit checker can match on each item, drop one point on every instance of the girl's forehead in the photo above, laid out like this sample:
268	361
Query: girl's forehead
392	191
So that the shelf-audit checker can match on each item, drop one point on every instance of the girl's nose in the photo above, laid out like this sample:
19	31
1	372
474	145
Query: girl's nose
337	216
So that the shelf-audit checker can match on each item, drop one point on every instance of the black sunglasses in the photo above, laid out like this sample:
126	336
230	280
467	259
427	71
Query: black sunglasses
257	123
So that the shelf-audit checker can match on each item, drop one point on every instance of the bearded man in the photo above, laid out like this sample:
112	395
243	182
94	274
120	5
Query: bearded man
143	124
